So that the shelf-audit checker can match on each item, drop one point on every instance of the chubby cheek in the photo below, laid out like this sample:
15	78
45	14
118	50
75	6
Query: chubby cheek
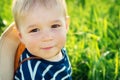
31	44
61	38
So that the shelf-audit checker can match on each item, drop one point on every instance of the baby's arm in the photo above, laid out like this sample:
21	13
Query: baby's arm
22	74
28	71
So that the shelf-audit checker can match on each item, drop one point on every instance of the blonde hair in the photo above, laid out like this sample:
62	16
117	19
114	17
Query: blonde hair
22	7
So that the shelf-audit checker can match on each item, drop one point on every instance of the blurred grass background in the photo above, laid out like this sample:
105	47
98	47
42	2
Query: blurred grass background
93	42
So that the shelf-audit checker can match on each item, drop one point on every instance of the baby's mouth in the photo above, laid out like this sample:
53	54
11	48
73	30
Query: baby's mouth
47	48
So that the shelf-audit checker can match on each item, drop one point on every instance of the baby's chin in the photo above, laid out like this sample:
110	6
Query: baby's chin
55	58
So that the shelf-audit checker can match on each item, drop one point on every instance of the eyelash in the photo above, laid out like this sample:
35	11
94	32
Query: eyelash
55	26
35	30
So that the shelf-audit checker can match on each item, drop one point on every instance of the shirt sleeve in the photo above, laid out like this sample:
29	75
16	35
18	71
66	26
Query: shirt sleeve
26	71
22	73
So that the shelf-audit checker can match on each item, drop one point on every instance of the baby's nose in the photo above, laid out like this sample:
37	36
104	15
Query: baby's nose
47	36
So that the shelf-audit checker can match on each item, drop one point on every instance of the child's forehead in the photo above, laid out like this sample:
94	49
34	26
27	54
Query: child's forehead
41	12
52	4
48	4
45	15
24	7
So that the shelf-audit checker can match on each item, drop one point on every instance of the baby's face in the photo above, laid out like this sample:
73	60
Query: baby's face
43	31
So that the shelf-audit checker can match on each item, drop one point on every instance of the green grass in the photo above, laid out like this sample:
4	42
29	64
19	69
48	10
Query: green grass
93	42
93	39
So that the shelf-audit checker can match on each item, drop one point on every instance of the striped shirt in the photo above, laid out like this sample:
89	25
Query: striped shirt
39	69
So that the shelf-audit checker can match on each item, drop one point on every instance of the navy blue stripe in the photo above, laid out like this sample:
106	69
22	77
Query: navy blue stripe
60	68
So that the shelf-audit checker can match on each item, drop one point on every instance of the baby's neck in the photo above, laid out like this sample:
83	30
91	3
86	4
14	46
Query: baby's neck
56	58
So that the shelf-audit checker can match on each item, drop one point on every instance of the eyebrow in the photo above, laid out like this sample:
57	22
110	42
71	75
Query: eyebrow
57	20
32	25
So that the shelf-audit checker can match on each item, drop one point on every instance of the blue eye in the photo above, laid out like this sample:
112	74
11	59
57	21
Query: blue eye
35	30
55	26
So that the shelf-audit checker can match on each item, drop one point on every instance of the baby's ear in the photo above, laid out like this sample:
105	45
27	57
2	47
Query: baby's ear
67	22
20	37
16	31
19	34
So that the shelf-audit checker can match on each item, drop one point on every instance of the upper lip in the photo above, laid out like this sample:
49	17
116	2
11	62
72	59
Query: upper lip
47	47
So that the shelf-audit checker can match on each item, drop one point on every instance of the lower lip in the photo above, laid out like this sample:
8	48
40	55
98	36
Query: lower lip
47	48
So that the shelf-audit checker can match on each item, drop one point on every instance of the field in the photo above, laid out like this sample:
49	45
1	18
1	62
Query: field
93	42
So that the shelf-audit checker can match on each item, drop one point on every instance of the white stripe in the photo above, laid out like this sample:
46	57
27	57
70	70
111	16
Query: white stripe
45	71
65	77
71	73
35	69
43	78
29	67
58	73
68	61
21	72
21	58
69	67
16	78
33	72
